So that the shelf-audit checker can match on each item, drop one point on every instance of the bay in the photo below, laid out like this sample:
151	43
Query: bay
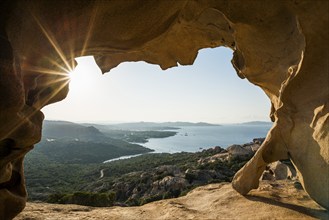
196	138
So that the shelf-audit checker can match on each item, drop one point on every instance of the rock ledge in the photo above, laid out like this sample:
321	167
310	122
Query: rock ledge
272	200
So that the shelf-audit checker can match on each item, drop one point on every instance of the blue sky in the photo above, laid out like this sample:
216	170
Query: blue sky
208	91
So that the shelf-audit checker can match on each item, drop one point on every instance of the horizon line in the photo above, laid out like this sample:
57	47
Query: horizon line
125	122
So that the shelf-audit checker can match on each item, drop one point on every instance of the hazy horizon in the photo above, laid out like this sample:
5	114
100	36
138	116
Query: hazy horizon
208	91
123	122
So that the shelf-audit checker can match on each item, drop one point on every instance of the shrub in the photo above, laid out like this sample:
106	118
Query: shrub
84	198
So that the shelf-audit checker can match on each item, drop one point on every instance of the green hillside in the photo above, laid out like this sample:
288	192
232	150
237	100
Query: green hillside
67	142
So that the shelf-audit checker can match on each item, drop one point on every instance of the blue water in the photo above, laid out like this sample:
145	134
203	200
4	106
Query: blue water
196	138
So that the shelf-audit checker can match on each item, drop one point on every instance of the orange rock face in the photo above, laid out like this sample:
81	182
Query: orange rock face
280	46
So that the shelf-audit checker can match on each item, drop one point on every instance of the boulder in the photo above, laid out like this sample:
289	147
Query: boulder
258	141
278	171
239	152
173	183
168	170
198	177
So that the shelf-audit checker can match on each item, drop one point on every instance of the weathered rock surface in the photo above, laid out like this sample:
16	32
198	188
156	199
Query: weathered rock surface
280	46
272	200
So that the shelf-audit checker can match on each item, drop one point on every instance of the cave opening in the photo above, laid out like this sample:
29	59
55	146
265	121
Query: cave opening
70	155
207	91
278	46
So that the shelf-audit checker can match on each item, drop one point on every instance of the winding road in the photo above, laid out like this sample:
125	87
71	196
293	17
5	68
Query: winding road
102	173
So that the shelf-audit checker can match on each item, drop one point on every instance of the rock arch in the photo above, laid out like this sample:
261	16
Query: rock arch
280	46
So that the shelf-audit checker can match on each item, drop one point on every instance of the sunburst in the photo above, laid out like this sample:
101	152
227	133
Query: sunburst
60	78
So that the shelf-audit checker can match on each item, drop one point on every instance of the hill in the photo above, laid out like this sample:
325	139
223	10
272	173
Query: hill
136	133
67	142
65	130
84	152
69	153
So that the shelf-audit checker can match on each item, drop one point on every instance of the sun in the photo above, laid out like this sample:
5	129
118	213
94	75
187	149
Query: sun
83	76
78	79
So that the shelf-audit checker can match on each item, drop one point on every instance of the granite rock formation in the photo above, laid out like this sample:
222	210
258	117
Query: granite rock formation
279	200
280	46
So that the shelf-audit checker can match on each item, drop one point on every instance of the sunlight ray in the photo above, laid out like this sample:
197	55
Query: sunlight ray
54	93
54	43
36	109
47	71
63	80
73	62
66	78
58	65
90	28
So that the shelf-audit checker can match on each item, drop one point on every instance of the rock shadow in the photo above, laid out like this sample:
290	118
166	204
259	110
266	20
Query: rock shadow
312	212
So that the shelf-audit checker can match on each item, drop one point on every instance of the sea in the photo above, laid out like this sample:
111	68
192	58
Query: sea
198	138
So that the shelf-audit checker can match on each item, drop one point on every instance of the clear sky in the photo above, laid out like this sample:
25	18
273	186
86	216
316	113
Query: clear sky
208	91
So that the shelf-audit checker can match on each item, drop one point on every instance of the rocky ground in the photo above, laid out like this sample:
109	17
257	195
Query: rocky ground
280	195
279	199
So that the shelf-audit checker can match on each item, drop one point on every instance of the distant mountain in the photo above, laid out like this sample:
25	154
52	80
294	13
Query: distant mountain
149	126
257	123
137	126
188	124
